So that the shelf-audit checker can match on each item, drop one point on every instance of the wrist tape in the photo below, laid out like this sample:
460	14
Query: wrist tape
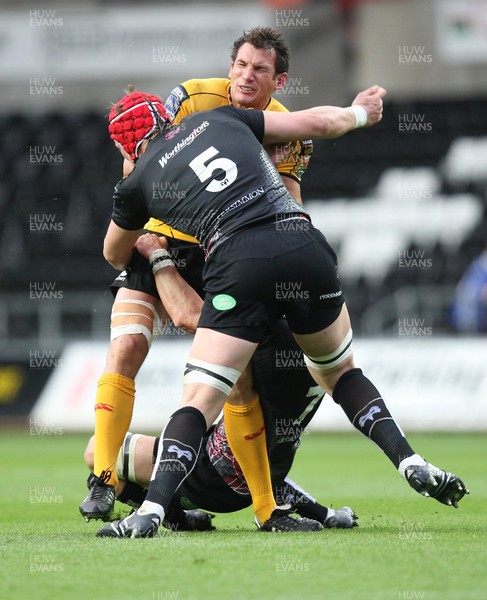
360	115
160	259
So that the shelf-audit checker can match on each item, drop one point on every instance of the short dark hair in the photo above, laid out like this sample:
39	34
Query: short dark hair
268	39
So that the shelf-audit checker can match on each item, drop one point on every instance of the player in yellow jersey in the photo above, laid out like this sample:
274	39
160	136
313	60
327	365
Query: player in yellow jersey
259	65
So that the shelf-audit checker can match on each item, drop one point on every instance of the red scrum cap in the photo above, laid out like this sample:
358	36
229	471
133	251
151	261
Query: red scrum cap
135	118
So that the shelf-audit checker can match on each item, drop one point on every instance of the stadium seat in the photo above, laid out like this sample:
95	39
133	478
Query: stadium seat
466	161
411	186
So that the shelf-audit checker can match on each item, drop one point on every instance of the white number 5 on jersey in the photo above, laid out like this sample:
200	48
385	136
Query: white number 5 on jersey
205	172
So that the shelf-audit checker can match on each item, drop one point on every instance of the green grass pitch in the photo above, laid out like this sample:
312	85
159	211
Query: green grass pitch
406	547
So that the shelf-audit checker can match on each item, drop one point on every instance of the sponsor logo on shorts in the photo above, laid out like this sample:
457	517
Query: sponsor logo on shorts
122	276
223	302
332	295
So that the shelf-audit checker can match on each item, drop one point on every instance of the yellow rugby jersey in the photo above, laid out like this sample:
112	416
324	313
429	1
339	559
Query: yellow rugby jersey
196	95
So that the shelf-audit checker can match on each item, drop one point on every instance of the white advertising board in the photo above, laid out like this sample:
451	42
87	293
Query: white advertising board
430	384
107	43
462	31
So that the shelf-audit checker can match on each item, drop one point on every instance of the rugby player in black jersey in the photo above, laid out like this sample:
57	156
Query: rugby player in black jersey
259	244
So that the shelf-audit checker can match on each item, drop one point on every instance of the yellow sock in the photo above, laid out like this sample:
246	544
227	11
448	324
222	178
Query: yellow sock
113	412
244	426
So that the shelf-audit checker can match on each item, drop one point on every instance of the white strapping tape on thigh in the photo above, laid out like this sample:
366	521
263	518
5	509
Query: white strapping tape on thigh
133	328
200	371
130	301
329	361
126	457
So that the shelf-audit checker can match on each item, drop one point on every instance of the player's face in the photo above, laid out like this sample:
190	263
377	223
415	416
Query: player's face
253	77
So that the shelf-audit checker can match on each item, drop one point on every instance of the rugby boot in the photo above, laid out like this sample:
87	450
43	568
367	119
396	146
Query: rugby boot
100	501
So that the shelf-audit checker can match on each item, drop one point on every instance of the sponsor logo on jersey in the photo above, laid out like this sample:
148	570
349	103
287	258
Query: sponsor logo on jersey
183	143
174	131
223	302
186	453
243	200
369	416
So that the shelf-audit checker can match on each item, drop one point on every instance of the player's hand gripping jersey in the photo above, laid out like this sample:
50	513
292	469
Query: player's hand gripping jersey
197	95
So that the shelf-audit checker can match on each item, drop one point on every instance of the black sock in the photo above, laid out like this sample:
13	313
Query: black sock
132	494
178	451
304	504
367	411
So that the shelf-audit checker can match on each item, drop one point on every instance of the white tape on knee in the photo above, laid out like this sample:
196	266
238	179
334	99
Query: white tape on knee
329	361
134	328
217	376
126	458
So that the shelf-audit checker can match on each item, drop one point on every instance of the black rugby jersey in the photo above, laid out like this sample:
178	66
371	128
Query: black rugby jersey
208	177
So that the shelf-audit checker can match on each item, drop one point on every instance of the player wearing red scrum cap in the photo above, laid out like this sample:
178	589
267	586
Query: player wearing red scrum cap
135	118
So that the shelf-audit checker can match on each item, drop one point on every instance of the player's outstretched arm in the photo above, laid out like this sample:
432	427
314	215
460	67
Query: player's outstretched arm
325	121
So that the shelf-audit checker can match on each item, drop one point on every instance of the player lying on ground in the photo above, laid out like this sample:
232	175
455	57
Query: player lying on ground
289	399
256	239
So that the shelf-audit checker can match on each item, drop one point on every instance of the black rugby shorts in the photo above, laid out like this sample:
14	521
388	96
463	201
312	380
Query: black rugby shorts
262	274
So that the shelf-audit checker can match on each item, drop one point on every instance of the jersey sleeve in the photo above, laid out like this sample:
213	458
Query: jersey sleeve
129	207
196	95
175	103
254	119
